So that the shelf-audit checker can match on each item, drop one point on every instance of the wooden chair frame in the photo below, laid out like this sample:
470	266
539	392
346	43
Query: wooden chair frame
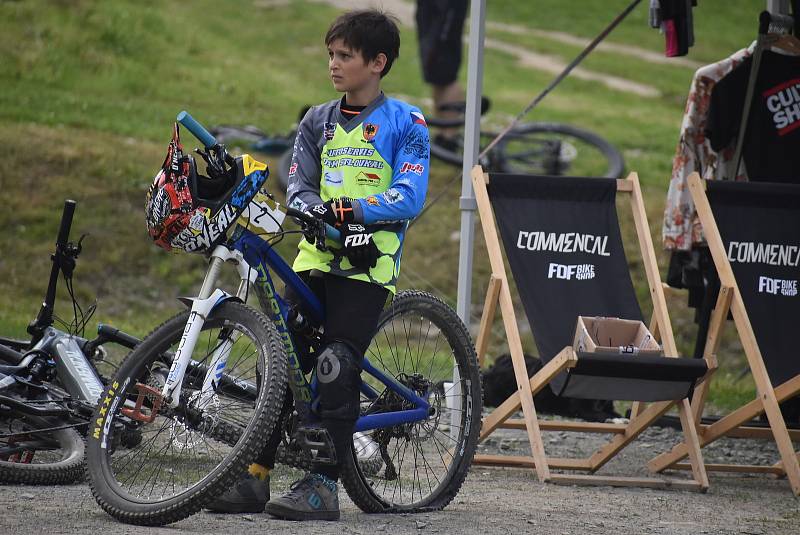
767	399
498	291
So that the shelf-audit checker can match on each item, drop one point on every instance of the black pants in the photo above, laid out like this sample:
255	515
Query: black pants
352	309
440	25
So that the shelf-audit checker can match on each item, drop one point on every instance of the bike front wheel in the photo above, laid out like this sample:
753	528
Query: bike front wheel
190	454
419	466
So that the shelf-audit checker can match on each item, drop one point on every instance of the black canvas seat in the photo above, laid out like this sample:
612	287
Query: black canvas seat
759	224
575	224
753	234
613	376
563	243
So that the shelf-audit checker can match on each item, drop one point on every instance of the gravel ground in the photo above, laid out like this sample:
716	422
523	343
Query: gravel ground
492	500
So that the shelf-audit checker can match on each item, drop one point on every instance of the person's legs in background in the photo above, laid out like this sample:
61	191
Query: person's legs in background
440	26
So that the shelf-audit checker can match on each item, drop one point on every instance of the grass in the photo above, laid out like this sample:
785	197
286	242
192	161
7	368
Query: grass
90	89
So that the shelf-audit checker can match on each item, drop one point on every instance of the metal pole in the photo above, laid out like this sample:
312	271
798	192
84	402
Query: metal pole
467	202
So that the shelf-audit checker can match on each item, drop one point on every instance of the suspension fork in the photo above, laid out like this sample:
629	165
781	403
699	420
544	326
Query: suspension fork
201	306
276	309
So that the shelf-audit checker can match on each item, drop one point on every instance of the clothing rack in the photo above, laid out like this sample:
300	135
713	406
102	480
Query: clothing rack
768	23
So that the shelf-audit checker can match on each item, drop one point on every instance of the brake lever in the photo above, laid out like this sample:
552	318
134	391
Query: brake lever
320	236
221	156
314	232
215	159
205	156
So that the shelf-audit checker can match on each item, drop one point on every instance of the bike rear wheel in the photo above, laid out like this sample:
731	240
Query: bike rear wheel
544	149
419	466
188	455
30	456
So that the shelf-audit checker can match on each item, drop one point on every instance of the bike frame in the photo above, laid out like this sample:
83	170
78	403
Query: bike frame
255	259
68	353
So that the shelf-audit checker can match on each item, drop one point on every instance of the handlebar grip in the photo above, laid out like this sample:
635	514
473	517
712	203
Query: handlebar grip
333	234
115	335
197	129
66	222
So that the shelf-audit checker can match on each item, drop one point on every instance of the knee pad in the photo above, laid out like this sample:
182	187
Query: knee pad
338	382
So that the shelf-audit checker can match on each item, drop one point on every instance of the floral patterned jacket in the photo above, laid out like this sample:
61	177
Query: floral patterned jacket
682	228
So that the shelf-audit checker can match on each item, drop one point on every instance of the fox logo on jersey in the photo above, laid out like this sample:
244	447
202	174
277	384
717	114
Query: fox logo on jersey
357	240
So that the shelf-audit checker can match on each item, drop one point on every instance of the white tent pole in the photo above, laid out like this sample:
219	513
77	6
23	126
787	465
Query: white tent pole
471	147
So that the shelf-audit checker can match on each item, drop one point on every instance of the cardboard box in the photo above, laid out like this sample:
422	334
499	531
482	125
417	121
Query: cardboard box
615	335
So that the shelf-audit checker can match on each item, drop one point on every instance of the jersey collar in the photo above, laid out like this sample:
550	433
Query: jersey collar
350	123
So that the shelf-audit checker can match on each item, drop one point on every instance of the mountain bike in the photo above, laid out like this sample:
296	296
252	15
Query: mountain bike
49	384
208	387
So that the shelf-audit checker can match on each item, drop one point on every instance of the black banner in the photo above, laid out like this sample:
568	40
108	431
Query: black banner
760	228
563	243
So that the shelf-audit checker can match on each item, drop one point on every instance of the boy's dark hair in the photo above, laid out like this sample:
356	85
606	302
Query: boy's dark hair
369	31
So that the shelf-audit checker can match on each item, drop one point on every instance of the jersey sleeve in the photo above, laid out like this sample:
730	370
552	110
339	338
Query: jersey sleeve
305	169
404	198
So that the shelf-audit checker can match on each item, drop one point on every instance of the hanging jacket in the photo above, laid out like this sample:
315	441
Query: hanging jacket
682	229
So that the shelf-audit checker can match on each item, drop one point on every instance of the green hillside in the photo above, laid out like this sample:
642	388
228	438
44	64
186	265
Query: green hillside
90	89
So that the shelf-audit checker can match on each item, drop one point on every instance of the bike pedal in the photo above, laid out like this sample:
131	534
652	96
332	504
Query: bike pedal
318	443
154	399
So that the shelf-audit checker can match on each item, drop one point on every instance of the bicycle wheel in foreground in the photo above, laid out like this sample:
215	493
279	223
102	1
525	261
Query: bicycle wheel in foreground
38	450
419	466
190	454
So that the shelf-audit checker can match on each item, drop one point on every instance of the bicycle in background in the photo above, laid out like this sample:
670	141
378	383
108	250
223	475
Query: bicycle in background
534	148
49	384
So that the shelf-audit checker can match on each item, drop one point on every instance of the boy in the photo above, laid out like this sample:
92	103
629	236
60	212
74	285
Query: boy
360	163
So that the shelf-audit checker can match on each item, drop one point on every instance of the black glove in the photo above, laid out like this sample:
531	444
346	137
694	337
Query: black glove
359	246
335	212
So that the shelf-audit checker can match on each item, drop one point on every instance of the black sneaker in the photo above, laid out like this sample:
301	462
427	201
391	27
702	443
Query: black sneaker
248	495
315	497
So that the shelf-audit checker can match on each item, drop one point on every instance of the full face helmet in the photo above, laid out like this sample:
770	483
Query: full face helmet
186	211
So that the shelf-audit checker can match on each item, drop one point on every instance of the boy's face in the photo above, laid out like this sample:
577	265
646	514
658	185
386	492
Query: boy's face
348	70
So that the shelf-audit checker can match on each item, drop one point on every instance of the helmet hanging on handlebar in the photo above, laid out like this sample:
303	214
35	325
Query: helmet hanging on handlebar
186	211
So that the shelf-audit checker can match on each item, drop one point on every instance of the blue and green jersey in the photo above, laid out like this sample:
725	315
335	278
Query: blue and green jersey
380	158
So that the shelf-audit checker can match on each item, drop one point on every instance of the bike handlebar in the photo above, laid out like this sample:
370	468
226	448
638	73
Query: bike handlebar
198	130
312	221
112	334
209	141
66	223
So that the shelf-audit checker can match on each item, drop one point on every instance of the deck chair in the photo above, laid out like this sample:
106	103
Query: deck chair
753	233
577	216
